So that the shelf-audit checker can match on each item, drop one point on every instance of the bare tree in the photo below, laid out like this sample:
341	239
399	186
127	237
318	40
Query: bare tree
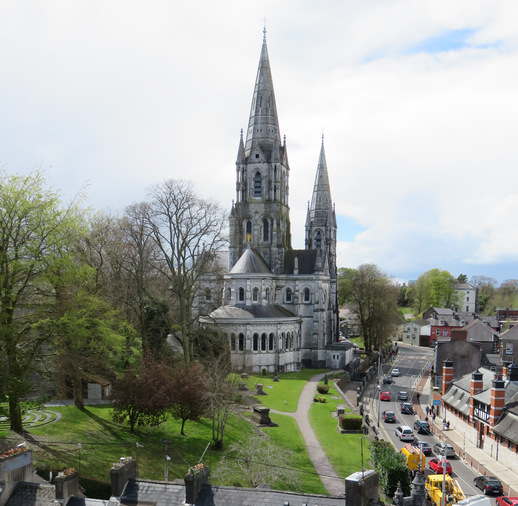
188	231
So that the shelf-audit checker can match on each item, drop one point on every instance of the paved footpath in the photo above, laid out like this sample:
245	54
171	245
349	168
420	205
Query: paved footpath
334	484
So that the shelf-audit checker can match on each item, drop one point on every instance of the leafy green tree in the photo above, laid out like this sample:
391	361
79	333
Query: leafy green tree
434	288
34	226
462	278
391	467
486	289
344	282
376	300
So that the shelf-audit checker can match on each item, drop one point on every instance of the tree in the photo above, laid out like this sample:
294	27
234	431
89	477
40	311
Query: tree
486	288
143	396
376	301
344	285
462	278
188	231
189	397
34	226
258	461
434	288
391	467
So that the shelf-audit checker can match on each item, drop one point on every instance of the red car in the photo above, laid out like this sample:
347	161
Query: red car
436	466
385	396
507	501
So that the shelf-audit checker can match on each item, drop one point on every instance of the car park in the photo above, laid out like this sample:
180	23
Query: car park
422	427
396	372
507	501
385	396
405	433
402	396
387	380
444	449
436	465
389	416
423	446
407	408
488	485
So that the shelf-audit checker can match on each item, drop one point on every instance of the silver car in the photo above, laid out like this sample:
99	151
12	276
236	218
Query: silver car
444	449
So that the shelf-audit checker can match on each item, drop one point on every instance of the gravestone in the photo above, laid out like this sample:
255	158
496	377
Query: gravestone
261	416
259	389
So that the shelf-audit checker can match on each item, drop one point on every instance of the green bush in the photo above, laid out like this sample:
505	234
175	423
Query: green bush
323	389
350	422
391	467
319	398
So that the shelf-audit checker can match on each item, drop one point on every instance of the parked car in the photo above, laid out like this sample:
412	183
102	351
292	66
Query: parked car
444	449
507	501
436	466
389	416
422	427
488	484
385	396
387	380
402	396
407	408
405	433
396	372
423	445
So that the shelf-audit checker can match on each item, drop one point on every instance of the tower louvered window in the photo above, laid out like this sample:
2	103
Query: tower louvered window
258	185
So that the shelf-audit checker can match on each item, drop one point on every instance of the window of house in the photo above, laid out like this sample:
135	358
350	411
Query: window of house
267	294
467	299
255	294
445	332
258	185
509	348
289	294
233	342
241	342
256	342
306	294
438	332
467	308
263	342
241	295
270	342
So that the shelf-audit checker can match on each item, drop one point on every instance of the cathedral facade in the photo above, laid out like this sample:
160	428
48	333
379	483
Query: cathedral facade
279	305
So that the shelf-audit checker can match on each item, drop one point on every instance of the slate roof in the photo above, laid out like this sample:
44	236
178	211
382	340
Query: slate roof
251	312
251	262
457	398
479	331
510	334
144	492
508	427
25	494
307	259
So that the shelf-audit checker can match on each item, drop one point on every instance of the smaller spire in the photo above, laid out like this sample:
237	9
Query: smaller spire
264	30
241	159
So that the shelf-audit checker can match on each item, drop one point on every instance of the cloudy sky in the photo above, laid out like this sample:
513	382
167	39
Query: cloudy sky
418	102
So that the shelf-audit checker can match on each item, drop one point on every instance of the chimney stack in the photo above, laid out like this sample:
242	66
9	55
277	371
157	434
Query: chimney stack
120	473
497	401
67	485
15	465
197	476
447	375
477	385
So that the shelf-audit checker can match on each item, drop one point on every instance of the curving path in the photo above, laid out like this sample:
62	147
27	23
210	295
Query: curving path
333	483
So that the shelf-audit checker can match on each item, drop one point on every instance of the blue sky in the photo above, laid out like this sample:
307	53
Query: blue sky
417	100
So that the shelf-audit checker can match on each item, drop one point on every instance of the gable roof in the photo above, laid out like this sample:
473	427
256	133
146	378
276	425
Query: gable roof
307	261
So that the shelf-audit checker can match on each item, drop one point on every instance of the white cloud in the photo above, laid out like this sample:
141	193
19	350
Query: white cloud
420	145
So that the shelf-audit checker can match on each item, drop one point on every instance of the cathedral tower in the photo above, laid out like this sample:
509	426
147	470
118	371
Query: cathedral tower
260	214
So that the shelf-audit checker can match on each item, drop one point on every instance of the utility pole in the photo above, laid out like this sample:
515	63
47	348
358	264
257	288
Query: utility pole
167	459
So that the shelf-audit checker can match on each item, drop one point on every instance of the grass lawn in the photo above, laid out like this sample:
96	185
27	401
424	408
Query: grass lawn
342	450
288	388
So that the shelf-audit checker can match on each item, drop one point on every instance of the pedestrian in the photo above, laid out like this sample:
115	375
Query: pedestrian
427	411
433	417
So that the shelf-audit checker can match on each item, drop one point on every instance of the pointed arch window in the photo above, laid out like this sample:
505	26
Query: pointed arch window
267	295
255	294
258	185
318	240
241	342
255	342
266	230
249	231
232	342
306	295
270	342
241	295
289	295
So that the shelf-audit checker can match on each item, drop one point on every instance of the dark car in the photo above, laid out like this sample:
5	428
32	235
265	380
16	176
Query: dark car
387	380
407	408
389	416
402	396
423	445
422	427
488	484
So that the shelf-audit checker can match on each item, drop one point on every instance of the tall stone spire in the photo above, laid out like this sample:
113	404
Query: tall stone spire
263	125
321	203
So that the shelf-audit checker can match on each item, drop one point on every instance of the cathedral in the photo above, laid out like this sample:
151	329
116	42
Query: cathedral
279	305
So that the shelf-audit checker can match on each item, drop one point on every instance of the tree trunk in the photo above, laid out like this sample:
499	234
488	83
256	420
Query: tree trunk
78	391
15	414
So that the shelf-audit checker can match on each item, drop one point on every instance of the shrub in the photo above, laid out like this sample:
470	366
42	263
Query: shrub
323	389
264	371
391	467
350	422
319	398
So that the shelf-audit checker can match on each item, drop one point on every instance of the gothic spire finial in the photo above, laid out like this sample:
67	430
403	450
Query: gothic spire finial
264	30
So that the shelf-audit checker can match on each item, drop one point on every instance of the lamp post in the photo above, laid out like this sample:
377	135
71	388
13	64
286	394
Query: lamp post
443	498
379	387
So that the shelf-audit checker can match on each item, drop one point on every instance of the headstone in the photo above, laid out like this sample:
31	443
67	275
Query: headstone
276	378
259	389
241	385
340	409
261	416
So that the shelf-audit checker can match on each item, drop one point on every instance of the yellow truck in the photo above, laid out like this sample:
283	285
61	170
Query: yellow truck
411	454
452	491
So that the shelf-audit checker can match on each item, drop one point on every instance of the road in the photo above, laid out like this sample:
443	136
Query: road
413	361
